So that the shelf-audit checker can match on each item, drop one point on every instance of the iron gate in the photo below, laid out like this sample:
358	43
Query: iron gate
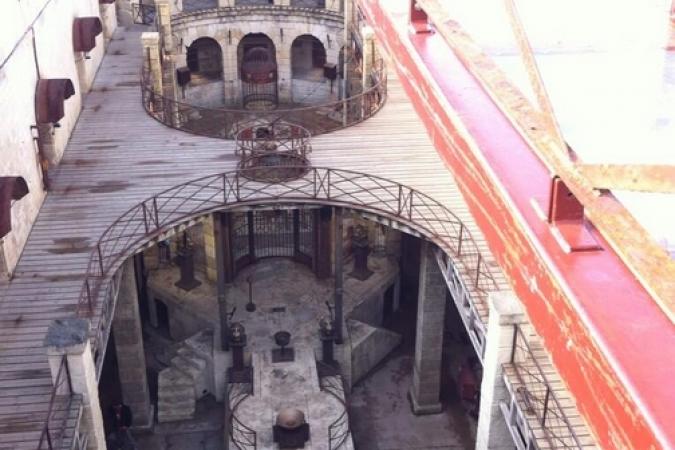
273	234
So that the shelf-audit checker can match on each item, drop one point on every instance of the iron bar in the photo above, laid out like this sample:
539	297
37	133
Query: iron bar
339	269
538	396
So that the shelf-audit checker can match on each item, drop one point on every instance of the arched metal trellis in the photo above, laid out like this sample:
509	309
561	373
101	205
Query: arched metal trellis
159	214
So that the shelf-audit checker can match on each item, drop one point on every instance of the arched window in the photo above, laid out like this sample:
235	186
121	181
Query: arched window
256	54
308	55
205	58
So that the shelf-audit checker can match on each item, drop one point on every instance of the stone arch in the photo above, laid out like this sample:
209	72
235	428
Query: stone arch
204	58
308	54
251	41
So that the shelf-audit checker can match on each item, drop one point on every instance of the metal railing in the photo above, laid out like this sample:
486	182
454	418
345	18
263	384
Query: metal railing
242	436
468	312
275	146
58	411
225	123
143	13
155	216
535	398
339	430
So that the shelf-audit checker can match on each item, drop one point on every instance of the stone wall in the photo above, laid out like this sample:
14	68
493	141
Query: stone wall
283	25
45	48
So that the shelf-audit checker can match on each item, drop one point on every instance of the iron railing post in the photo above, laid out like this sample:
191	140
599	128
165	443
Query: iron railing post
100	258
546	398
515	342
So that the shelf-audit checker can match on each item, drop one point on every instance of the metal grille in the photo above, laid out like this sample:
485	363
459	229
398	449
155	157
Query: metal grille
240	237
273	231
306	232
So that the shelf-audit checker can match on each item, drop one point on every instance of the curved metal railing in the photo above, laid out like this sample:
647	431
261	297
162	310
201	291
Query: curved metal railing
156	215
276	148
242	436
225	123
339	430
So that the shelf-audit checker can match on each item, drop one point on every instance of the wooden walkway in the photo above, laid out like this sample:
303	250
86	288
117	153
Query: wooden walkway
119	156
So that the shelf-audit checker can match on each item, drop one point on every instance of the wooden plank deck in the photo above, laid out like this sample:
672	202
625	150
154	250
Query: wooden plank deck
119	156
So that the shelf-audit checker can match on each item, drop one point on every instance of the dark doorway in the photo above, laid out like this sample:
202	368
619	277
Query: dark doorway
109	387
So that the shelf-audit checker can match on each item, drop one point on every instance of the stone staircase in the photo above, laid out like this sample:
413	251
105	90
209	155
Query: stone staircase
189	378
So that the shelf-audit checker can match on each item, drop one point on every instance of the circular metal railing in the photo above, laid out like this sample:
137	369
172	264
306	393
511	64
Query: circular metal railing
278	150
225	123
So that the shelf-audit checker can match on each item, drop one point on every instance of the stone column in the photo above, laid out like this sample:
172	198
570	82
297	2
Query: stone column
163	8
176	6
108	20
131	366
70	338
426	388
222	251
339	273
334	5
124	13
226	3
368	36
152	67
505	313
285	75
210	247
322	242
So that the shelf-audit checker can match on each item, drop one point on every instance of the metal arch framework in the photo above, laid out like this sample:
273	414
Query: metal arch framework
156	216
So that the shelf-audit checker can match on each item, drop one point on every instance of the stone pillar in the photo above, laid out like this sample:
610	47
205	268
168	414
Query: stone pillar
210	248
108	20
221	237
322	256
124	14
368	36
426	388
285	75
339	273
163	8
334	5
131	366
176	6
226	3
152	66
505	313
70	338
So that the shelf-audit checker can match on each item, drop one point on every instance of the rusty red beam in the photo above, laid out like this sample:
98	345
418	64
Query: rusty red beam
610	341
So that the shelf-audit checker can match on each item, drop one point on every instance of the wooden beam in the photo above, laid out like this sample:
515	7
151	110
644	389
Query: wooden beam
629	177
536	81
629	240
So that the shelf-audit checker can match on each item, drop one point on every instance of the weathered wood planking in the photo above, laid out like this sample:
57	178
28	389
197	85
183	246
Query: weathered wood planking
119	156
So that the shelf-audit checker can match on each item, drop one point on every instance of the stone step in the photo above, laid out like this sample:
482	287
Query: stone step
176	394
174	377
191	356
370	345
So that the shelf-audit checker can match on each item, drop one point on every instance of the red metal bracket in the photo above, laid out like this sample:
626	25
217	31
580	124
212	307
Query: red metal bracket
419	21
565	216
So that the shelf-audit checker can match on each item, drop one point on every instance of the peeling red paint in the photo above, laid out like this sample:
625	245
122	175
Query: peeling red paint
609	340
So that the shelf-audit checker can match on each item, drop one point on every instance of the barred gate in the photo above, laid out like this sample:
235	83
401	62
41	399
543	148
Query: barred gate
272	234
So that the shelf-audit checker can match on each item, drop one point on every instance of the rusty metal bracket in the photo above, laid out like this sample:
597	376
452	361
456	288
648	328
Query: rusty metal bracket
565	215
419	20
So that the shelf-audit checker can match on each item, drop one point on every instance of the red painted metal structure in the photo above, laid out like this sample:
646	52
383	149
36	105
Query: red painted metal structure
611	342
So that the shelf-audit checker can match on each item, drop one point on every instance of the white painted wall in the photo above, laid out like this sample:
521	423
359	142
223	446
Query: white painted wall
49	24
